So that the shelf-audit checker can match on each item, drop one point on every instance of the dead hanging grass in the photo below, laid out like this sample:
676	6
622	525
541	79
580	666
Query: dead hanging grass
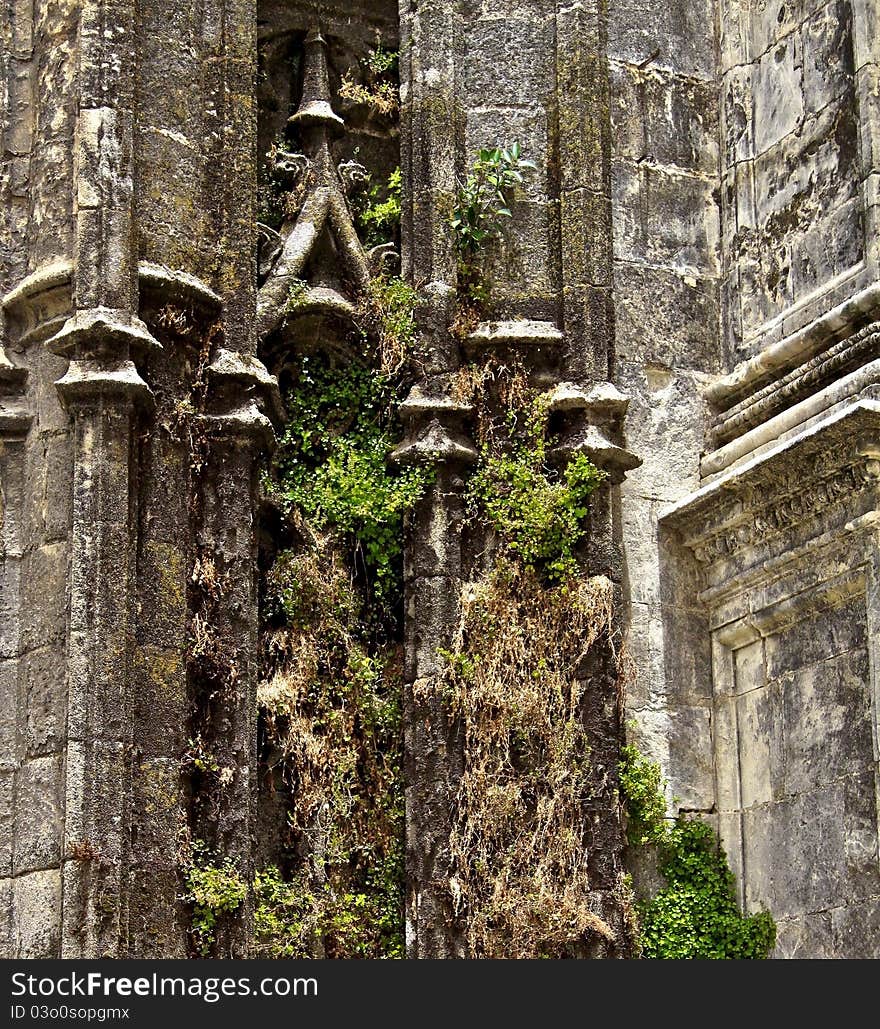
381	98
330	702
499	388
515	682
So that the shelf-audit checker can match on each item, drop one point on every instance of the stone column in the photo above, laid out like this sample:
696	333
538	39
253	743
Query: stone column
101	390
234	434
431	121
14	423
584	183
433	748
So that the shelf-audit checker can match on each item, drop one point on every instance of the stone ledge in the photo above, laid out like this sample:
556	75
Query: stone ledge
796	478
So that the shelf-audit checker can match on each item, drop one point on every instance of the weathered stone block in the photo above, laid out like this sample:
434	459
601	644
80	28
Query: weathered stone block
860	818
827	55
795	853
44	595
868	92
776	93
585	224
8	712
680	33
491	126
663	426
7	928
805	936
39	815
666	318
36	907
644	642
163	572
663	119
52	203
58	488
828	249
737	129
523	264
158	789
760	753
769	21
641	549
663	218
160	704
159	923
827	722
691	758
10	606
7	822
44	678
52	417
815	638
855	929
432	606
507	61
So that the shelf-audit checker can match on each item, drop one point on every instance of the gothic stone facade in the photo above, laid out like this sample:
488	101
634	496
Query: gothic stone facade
698	256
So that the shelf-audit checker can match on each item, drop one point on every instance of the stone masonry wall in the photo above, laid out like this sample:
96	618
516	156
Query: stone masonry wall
700	240
664	117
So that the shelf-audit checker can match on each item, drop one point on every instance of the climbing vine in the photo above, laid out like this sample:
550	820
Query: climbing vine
696	914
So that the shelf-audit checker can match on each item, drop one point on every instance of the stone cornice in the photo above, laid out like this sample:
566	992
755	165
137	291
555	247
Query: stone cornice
798	479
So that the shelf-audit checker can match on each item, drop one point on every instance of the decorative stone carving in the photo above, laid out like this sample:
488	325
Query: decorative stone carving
434	430
325	209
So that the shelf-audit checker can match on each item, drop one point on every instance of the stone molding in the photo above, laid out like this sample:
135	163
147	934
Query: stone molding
795	480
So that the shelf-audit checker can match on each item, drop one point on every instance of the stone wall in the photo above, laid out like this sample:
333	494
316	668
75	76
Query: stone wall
767	568
696	255
667	261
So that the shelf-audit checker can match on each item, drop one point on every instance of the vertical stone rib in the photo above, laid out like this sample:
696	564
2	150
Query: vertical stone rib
14	423
866	46
100	389
429	126
583	130
235	432
99	718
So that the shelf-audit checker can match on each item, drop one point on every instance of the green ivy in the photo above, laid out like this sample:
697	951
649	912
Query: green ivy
213	890
696	914
333	464
377	211
539	514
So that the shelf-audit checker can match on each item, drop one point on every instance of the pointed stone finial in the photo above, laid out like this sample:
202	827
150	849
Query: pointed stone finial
314	108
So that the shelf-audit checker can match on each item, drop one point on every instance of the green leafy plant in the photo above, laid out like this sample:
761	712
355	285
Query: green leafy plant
379	91
213	890
294	918
696	914
539	514
390	312
483	203
334	464
383	62
376	211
